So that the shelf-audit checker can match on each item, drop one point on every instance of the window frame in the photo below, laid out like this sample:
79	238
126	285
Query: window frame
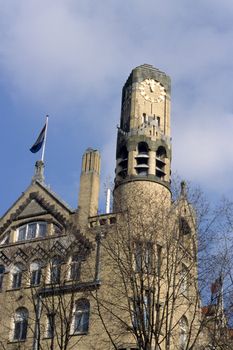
184	280
138	255
20	324
16	276
28	235
55	270
183	324
2	272
75	267
50	325
144	256
141	311
81	318
35	273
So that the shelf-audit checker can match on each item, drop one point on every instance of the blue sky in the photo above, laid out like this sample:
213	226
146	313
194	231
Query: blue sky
70	59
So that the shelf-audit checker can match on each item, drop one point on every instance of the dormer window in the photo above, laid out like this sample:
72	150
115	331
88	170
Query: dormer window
32	230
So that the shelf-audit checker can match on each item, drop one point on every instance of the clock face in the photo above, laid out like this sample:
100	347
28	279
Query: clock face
152	90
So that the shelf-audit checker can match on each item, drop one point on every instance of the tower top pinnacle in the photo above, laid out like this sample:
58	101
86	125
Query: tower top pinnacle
147	71
39	172
183	188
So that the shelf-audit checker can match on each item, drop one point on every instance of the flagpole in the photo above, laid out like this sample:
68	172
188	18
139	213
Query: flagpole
45	137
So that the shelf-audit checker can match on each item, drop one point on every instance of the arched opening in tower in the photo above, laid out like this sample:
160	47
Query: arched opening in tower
142	159
161	154
122	167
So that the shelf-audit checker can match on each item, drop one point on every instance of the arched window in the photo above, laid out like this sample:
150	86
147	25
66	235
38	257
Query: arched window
161	154
81	316
183	323
55	270
35	273
16	273
142	159
75	267
20	324
2	271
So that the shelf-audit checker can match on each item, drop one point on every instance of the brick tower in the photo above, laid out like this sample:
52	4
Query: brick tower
143	154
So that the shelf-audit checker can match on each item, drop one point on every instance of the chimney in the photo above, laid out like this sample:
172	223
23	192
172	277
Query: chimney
89	185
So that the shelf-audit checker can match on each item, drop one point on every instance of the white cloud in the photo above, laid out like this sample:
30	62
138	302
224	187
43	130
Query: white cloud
205	151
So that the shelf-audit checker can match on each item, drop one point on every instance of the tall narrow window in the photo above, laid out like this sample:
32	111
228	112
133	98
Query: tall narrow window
81	317
138	256
141	311
17	272
55	272
20	324
42	229
144	118
136	313
22	233
159	259
32	231
149	256
50	325
184	280
75	267
2	271
144	256
183	332
35	270
147	308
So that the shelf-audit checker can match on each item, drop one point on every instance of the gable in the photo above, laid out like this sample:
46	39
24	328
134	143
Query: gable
37	200
32	209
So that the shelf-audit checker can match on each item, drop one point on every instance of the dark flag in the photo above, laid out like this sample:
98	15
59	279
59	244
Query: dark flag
39	142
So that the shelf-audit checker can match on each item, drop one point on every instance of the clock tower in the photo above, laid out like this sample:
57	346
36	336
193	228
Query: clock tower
143	152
